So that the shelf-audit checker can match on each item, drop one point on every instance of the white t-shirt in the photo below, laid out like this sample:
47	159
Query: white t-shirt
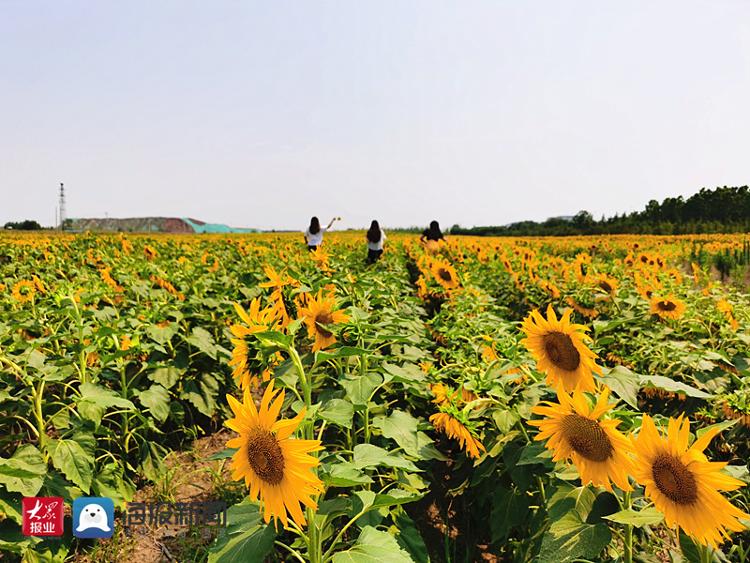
315	239
377	245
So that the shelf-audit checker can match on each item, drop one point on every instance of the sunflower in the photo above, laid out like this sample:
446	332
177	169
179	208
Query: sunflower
256	320
24	291
278	281
576	432
667	307
422	292
488	354
275	467
589	312
683	484
606	283
559	349
441	392
454	428
319	314
444	274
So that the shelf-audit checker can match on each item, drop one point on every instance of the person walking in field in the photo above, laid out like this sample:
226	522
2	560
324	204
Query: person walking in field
314	233
375	239
433	233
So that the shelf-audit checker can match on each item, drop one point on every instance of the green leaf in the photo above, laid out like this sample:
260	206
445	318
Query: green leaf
535	453
360	389
373	546
156	400
690	550
341	352
580	541
10	505
109	482
623	383
368	455
345	474
274	340
570	537
95	400
395	497
36	360
505	420
162	334
24	471
165	376
12	540
226	453
406	373
402	427
203	340
647	517
202	397
247	538
509	509
668	384
337	411
410	539
69	457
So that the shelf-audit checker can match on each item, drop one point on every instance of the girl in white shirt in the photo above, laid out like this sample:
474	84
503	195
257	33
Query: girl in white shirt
375	239
314	233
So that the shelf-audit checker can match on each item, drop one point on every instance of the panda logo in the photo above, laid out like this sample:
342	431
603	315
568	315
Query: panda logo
93	516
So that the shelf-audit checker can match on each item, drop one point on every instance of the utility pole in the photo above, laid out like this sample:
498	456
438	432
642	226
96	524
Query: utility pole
62	207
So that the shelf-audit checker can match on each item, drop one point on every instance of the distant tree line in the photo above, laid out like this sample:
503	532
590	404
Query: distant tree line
721	210
27	225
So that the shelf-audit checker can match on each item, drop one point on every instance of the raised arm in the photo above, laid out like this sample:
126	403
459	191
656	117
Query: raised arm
332	222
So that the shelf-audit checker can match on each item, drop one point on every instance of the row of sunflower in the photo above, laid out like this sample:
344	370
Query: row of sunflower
680	486
334	347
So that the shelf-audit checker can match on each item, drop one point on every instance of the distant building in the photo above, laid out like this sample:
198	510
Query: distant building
152	225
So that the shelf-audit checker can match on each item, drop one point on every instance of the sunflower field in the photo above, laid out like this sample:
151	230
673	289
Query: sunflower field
478	399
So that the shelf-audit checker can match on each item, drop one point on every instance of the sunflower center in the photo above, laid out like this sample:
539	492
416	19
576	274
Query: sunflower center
587	438
265	456
605	286
561	351
322	319
667	305
445	274
674	480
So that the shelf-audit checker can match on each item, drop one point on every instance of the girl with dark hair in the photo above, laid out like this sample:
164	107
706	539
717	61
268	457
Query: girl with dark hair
433	233
375	239
314	233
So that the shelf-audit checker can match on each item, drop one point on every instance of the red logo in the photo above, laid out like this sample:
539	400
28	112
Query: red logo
42	516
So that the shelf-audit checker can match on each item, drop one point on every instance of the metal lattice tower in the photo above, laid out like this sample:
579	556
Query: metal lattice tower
62	207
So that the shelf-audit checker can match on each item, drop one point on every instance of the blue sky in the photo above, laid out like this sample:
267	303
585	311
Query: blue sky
263	113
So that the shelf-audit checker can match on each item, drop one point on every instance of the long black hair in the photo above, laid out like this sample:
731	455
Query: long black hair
314	227
434	232
374	234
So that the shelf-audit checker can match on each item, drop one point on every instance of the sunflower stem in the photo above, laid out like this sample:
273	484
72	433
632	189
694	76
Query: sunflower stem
296	554
314	546
706	553
628	540
303	382
39	416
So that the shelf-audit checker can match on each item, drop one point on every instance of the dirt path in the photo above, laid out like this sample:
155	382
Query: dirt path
190	476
